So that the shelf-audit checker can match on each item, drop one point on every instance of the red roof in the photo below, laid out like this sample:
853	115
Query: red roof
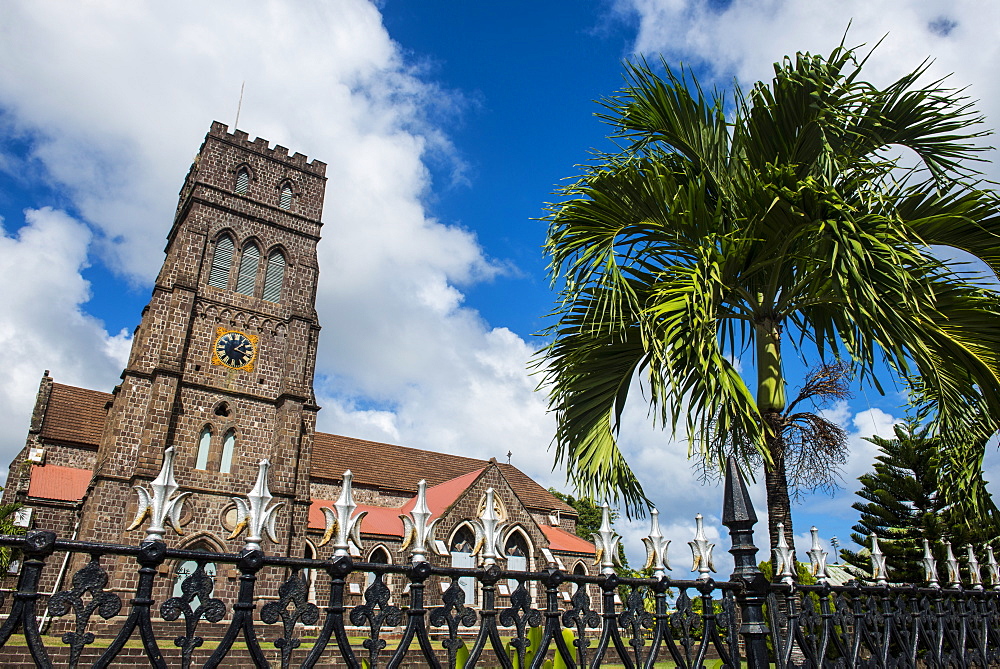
380	519
561	540
385	520
441	496
398	468
55	482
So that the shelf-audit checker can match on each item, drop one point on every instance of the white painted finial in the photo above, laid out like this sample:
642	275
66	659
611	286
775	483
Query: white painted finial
156	503
256	513
606	540
656	547
418	528
701	551
342	525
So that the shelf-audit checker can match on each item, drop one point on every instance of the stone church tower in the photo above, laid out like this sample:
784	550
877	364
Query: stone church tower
222	363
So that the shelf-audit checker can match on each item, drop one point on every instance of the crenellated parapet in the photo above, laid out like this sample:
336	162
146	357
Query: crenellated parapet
261	146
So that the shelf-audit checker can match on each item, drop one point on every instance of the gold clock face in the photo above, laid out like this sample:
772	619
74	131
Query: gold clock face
234	349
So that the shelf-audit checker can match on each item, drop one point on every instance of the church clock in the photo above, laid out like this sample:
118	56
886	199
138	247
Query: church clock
234	349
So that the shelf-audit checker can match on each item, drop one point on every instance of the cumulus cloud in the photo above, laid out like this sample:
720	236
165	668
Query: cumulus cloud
43	322
743	38
112	100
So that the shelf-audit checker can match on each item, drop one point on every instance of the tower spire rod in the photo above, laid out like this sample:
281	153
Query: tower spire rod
239	105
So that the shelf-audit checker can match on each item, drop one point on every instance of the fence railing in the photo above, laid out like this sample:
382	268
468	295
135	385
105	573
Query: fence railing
309	618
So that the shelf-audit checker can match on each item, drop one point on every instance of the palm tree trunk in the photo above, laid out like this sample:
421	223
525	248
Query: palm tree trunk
771	404
779	505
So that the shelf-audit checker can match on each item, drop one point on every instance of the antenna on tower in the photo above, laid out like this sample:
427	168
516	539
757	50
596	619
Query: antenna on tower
239	105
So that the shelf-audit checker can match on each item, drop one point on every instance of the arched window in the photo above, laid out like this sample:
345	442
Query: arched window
228	446
242	181
204	444
579	570
461	556
221	262
516	550
249	263
378	556
285	201
187	567
274	277
309	575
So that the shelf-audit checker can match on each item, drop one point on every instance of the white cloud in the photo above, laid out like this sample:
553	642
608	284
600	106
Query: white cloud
114	99
745	37
43	324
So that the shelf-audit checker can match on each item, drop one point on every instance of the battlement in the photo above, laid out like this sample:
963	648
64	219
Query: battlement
261	146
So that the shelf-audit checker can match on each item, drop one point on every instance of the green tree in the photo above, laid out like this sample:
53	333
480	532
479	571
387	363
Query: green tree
7	526
588	513
904	506
777	223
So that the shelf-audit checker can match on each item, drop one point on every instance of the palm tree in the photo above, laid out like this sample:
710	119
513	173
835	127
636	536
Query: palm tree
793	226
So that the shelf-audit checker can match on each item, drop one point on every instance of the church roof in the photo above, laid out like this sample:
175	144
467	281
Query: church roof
400	468
75	415
55	482
561	540
443	495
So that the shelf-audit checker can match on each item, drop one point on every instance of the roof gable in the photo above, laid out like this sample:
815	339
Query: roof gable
399	468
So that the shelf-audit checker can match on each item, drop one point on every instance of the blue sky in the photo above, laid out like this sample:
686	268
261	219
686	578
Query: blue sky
447	126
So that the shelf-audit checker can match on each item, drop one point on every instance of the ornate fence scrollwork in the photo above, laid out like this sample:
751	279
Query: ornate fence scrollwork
421	612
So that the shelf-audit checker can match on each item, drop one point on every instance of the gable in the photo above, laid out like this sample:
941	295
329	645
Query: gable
400	468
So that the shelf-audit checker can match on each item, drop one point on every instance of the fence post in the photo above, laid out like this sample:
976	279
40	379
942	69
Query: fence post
739	517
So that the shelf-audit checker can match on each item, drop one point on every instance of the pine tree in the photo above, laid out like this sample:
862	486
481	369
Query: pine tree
904	506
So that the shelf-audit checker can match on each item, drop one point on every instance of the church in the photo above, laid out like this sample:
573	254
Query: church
221	369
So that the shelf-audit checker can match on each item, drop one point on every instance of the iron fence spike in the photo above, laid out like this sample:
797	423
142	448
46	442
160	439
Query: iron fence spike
783	557
993	568
701	551
606	542
975	576
256	512
656	547
158	503
954	574
930	567
817	557
489	529
880	571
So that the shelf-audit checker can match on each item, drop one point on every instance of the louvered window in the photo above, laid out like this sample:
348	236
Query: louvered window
286	197
204	443
243	181
274	277
221	262
228	446
248	270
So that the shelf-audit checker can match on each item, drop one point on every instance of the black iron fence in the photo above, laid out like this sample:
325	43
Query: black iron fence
550	619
